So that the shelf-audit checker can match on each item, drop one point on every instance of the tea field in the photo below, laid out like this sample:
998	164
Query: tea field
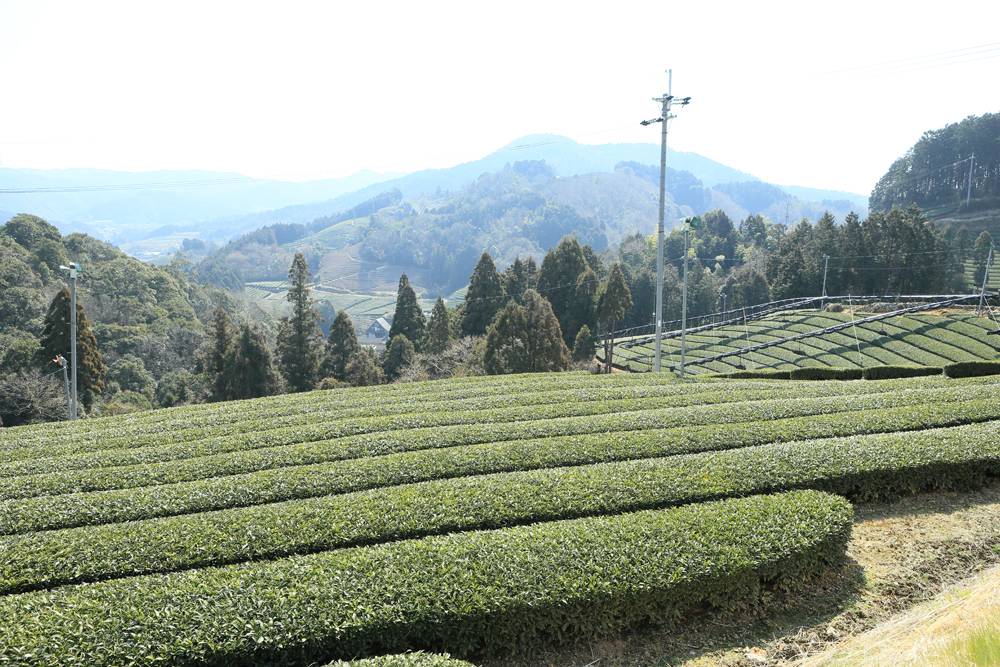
477	516
923	339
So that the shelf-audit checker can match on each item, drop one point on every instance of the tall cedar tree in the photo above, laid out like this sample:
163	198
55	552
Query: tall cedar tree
438	329
525	339
484	298
363	369
248	370
564	281
56	340
222	332
980	256
515	280
583	348
300	340
341	344
614	302
408	319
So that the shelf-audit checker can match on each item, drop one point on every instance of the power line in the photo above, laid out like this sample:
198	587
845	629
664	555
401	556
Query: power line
916	63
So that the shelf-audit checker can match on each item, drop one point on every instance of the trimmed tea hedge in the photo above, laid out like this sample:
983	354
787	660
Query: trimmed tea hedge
892	372
967	369
760	375
65	511
483	593
418	659
860	467
825	373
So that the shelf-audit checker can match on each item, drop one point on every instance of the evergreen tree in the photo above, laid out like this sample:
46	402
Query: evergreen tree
341	344
525	339
583	348
221	332
56	340
564	281
248	370
438	329
399	354
484	298
515	279
300	340
408	319
363	369
615	300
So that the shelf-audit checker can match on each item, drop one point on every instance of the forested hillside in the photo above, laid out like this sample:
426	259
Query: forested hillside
946	168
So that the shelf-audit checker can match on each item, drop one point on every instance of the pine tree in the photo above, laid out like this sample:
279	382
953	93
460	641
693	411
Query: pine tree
438	329
300	340
248	369
614	302
408	319
484	298
56	340
341	344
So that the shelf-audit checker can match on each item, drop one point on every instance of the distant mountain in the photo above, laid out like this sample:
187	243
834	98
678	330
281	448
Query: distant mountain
121	205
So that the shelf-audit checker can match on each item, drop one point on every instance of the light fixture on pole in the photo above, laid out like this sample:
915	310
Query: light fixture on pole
687	224
664	118
72	269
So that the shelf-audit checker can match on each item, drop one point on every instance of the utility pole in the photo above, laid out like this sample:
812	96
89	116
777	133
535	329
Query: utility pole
61	360
664	118
826	263
723	295
968	194
986	276
72	268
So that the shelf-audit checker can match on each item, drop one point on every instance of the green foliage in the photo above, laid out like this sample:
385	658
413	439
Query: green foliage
408	319
972	369
248	369
572	291
363	369
131	375
890	372
438	329
525	339
825	373
399	354
56	340
484	299
491	593
341	344
583	348
300	340
418	659
21	355
615	300
761	374
29	230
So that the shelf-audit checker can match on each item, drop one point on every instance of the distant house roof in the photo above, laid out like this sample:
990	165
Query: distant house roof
377	342
378	329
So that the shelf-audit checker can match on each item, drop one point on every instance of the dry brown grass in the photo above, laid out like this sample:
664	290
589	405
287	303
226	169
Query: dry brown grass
901	555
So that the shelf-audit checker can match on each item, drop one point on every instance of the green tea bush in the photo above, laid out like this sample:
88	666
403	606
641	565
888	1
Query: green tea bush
891	372
487	593
826	373
599	479
418	659
967	369
760	375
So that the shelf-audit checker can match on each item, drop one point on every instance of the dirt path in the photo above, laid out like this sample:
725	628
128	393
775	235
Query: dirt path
901	554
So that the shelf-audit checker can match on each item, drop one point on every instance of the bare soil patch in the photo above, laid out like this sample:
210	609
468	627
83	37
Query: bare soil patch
901	554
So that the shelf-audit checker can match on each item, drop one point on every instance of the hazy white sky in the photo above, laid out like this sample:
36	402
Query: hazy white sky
314	89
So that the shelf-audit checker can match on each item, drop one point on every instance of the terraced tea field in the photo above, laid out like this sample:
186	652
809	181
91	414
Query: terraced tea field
917	339
478	516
